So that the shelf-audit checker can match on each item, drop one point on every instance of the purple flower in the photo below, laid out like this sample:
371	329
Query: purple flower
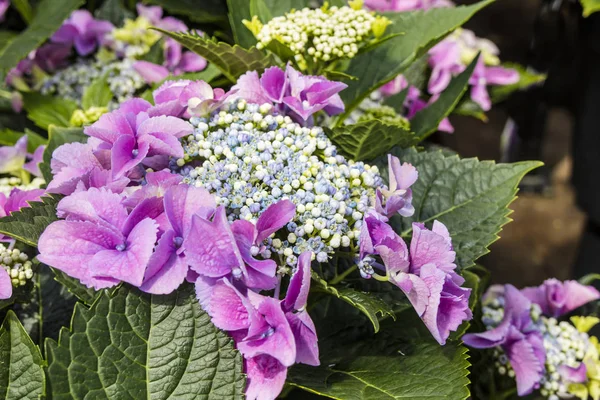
133	135
33	165
4	4
168	266
216	249
398	199
82	31
201	99
303	95
12	158
16	200
406	5
5	285
484	76
445	62
519	338
426	275
558	298
99	243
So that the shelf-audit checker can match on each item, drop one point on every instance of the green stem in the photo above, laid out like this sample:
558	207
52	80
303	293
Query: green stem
343	275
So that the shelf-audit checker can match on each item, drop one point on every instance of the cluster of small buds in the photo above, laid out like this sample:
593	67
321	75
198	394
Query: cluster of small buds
71	82
323	34
17	264
135	38
251	157
87	117
385	114
7	184
375	100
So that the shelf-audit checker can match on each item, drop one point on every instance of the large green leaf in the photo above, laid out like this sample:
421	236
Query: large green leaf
98	94
83	293
49	16
401	362
24	8
46	110
370	139
239	10
420	31
140	346
590	7
27	224
233	61
368	303
426	121
208	74
198	11
21	364
469	196
58	136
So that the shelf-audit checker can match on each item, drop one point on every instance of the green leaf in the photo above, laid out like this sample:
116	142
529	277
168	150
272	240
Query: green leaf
589	279
27	224
82	292
98	94
205	11
260	9
207	75
24	8
426	121
21	364
401	362
58	136
370	139
469	196
156	54
422	30
469	108
46	110
280	7
239	10
590	7
233	61
527	78
368	303
49	16
6	37
143	346
8	137
114	11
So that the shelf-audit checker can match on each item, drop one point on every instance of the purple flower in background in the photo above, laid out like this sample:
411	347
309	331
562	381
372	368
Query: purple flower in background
558	298
18	199
4	4
445	62
201	99
519	338
99	243
168	266
406	5
484	76
426	275
132	135
5	285
303	95
398	199
82	31
33	165
12	158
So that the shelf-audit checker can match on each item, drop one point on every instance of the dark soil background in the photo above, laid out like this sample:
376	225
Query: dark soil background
542	240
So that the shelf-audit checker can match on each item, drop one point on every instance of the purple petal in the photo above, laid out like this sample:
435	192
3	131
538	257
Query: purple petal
128	265
5	285
228	308
70	164
479	95
415	289
151	73
134	106
175	127
501	76
558	298
248	87
274	218
297	293
402	176
274	82
527	366
110	127
184	201
265	377
126	155
162	144
428	247
574	375
260	274
151	13
166	270
192	62
147	208
20	199
33	165
305	335
12	158
94	205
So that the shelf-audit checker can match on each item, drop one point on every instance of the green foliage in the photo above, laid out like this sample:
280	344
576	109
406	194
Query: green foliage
401	362
83	293
98	94
205	11
114	11
422	30
469	196
233	61
527	78
56	137
367	303
24	8
207	75
45	110
590	7
426	121
27	224
370	139
48	18
142	346
239	10
21	364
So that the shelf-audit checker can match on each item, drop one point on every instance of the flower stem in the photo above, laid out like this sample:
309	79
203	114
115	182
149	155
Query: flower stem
343	275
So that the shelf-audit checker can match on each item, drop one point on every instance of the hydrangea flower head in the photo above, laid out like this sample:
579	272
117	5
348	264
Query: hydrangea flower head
83	32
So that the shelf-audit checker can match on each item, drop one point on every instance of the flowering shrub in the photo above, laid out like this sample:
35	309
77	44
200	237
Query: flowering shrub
253	229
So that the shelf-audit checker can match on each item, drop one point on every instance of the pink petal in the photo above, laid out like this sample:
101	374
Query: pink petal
94	205
428	247
192	62
166	269
126	155
274	82
265	377
5	285
184	201
151	73
274	218
297	293
165	125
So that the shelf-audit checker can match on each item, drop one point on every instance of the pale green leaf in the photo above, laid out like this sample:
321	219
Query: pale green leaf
205	11
426	121
58	136
469	196
98	94
421	30
27	224
370	139
590	7
233	61
239	10
135	345
49	16
21	364
24	8
45	110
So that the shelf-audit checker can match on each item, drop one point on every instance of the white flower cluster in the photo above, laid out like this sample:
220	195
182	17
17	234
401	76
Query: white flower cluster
17	264
251	158
323	34
7	184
